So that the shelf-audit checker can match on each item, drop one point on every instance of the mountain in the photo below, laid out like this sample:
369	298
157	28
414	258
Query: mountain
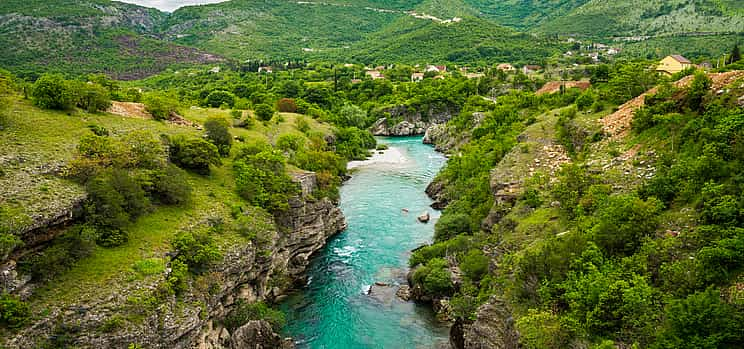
82	36
597	18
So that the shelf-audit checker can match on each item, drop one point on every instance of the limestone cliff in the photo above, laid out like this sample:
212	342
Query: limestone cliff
409	121
248	272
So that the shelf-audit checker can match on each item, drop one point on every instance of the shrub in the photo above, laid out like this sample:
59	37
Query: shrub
197	249
262	180
216	99
52	91
264	112
8	243
290	142
194	154
171	186
474	264
352	116
111	237
245	312
302	124
160	105
438	280
450	225
114	199
585	100
353	143
13	312
218	133
624	221
286	105
93	97
98	130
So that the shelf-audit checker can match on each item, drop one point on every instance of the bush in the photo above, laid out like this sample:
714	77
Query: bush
217	98
13	312
98	130
114	199
52	91
197	249
290	142
171	186
286	105
262	180
264	112
585	100
93	97
353	143
474	264
302	124
194	154
245	312
219	134
451	225
438	280
8	243
624	221
111	237
160	105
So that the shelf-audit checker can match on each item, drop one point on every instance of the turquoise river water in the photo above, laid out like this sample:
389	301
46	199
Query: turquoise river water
335	310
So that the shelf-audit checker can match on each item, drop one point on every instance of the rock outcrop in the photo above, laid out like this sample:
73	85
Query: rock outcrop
248	273
408	121
493	329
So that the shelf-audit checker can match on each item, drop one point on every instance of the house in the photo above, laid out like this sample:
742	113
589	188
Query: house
374	74
436	68
267	70
416	77
531	69
506	67
673	64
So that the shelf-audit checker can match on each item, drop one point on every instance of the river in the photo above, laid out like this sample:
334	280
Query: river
334	309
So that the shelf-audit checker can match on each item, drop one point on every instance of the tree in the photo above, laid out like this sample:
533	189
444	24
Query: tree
286	105
93	97
217	98
735	54
194	154
52	91
352	116
264	112
160	105
218	133
631	80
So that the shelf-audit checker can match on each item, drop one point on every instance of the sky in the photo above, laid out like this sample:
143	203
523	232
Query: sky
170	5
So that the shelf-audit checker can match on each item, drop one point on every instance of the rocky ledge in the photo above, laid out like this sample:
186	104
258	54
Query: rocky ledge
408	121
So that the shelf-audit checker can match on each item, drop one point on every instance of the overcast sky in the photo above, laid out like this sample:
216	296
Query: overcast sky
169	5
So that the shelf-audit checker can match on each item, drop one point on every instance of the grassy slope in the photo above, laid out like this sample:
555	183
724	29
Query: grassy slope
42	137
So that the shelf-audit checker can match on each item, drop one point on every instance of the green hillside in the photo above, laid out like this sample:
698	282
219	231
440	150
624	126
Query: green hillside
87	36
638	17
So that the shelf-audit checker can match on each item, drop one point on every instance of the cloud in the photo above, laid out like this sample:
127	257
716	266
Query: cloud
170	5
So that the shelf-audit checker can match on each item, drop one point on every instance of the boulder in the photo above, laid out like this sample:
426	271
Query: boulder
258	335
424	217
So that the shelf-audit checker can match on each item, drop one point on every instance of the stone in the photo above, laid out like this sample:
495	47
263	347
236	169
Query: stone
424	217
404	292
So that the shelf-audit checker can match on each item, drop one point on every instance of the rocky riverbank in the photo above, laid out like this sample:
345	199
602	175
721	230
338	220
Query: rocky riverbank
247	273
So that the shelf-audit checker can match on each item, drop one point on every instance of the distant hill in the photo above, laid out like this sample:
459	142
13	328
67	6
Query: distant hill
129	41
600	18
87	36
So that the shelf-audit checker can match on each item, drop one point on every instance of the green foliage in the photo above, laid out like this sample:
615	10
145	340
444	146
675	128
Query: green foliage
93	97
434	277
160	105
219	134
353	143
302	124
76	243
264	112
171	186
541	330
13	312
474	264
698	89
114	200
218	98
630	80
451	225
194	154
352	116
261	179
52	91
198	250
624	221
702	320
245	312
